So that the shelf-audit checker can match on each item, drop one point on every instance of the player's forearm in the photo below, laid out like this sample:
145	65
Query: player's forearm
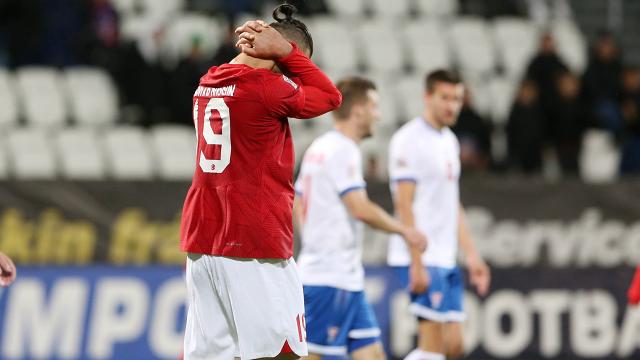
321	95
464	237
374	216
405	215
298	213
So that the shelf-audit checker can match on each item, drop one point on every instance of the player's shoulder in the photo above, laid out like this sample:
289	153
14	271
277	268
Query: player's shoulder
335	144
406	134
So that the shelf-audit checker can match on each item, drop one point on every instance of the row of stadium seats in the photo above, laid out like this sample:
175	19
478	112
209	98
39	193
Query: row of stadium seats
167	152
476	46
88	96
47	97
83	153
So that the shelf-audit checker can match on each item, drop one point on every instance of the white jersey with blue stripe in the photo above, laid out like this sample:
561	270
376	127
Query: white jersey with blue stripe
331	253
431	158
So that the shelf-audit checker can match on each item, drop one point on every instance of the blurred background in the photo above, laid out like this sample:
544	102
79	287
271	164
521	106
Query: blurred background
97	152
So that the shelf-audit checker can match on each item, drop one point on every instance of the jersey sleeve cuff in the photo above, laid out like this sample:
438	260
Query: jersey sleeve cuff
404	179
352	188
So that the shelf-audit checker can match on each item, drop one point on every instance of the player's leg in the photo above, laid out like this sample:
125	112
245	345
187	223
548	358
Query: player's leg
328	317
364	331
268	306
373	351
453	301
429	308
453	343
210	332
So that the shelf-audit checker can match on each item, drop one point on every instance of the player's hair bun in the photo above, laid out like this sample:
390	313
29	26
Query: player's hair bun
284	13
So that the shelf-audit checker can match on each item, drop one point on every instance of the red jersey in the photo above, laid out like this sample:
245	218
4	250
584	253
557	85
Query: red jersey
240	201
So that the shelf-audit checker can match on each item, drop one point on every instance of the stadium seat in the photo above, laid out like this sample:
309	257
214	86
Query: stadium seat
4	162
350	8
599	158
93	96
571	44
31	154
80	154
502	90
188	27
8	100
335	45
303	136
481	95
380	46
410	92
164	9
377	147
426	45
174	151
128	153
516	41
42	95
437	8
138	27
128	7
472	46
395	8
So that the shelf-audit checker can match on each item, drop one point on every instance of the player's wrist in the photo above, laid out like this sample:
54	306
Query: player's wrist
286	50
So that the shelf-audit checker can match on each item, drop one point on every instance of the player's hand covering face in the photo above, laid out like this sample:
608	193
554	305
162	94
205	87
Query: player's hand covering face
259	40
7	270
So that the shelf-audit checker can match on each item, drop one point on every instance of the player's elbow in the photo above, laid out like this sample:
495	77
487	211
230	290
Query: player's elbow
335	99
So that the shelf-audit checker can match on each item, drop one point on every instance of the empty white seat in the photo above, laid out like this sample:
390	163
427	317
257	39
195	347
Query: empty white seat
437	8
4	161
128	7
472	45
174	150
162	9
481	96
31	154
335	45
395	8
190	27
8	100
410	91
571	44
516	41
93	96
426	45
381	48
42	96
350	8
502	90
128	153
600	158
80	154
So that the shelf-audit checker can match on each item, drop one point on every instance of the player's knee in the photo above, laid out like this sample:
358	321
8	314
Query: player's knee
455	350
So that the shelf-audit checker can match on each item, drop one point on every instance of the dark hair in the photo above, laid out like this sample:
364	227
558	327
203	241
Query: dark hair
354	91
441	76
292	29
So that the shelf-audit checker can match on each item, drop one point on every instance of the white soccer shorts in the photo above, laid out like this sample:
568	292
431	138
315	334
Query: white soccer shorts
243	308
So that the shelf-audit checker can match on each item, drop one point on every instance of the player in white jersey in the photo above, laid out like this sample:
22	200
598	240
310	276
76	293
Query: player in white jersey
424	166
330	208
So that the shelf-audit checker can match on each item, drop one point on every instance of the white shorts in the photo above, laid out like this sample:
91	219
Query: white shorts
243	308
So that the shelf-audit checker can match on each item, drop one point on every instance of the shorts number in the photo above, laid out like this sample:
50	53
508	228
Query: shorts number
221	114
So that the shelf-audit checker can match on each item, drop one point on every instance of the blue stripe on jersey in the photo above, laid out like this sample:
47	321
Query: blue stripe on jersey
350	189
402	179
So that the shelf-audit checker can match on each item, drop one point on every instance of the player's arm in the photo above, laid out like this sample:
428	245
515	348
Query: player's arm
318	95
479	274
403	203
7	270
363	209
298	213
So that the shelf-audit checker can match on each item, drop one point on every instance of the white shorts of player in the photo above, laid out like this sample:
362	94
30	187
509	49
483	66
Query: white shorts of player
243	308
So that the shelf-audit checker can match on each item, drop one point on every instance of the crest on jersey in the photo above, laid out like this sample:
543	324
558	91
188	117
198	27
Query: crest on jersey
291	82
436	299
332	333
401	163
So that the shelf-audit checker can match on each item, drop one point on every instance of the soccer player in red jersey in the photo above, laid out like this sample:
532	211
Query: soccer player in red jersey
634	290
245	296
7	270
